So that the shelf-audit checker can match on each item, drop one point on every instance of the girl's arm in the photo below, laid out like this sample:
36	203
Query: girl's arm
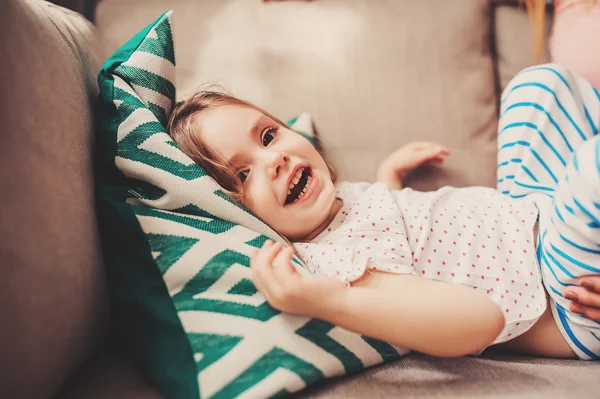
395	167
432	317
435	318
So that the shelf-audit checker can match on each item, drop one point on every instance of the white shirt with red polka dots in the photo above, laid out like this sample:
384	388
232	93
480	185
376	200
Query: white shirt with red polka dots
471	236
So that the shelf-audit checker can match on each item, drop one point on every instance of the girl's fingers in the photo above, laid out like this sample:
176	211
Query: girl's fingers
429	146
285	255
261	263
442	152
268	252
583	296
283	262
261	267
591	283
253	258
590	299
587	293
439	151
433	157
257	254
284	272
255	270
587	312
436	159
266	245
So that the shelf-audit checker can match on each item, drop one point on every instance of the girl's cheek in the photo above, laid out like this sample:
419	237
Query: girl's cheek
248	201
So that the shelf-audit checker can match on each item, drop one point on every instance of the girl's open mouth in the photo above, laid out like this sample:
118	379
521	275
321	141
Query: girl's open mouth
299	186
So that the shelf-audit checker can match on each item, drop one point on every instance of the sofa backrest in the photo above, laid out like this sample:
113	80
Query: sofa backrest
53	307
374	74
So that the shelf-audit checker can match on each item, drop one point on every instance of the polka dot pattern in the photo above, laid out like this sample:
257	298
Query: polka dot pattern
470	236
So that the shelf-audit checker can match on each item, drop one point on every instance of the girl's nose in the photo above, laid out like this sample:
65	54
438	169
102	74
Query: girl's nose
278	160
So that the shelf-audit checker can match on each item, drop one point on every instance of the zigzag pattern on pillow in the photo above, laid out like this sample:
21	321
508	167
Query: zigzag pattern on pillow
200	241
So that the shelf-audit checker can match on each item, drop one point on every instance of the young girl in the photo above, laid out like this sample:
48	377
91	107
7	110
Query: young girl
574	41
446	273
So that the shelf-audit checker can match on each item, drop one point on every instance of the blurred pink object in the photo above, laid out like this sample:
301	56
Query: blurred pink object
575	41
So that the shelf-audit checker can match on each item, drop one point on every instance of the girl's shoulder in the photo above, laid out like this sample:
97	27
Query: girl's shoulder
346	189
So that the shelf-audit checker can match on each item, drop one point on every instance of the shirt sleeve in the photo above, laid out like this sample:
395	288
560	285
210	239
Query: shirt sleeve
333	260
348	259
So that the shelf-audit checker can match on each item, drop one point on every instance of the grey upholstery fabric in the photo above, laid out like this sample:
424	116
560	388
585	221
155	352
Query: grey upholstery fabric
110	375
79	6
514	46
113	376
52	288
497	376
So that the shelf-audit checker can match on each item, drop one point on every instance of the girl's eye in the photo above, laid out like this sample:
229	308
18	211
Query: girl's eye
269	136
243	175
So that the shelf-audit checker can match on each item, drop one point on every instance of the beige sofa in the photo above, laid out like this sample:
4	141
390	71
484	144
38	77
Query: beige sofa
374	74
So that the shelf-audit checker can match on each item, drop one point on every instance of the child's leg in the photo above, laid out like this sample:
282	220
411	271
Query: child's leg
570	246
546	113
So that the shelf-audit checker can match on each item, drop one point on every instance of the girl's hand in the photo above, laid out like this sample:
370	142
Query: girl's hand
286	290
395	167
585	298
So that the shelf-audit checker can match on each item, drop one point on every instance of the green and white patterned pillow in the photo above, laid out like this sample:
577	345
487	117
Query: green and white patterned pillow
178	251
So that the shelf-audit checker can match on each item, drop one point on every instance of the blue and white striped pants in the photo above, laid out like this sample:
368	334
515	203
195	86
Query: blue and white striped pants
549	152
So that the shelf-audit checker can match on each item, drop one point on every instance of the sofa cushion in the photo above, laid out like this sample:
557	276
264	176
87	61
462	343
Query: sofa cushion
52	288
113	376
494	375
514	42
374	74
178	253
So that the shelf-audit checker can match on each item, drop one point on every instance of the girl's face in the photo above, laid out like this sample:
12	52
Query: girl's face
286	181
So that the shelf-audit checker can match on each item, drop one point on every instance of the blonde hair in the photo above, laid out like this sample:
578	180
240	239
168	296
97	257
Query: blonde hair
536	9
184	132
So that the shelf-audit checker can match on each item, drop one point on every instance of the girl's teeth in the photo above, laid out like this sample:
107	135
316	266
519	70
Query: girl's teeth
295	181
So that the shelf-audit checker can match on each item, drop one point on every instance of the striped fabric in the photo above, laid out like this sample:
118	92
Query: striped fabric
549	152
